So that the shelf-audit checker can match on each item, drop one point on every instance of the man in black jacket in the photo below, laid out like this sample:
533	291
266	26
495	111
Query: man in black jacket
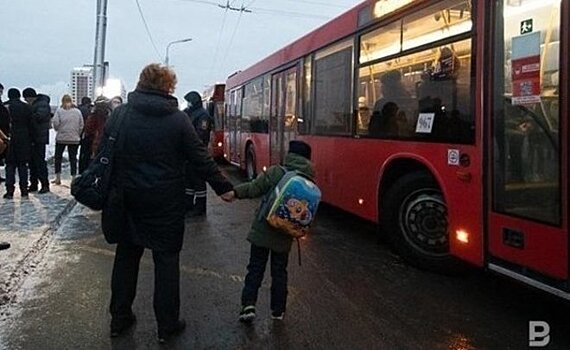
20	149
4	124
195	186
41	119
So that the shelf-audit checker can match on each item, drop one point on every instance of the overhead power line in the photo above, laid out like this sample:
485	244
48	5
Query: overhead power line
148	30
215	60
259	10
231	40
228	6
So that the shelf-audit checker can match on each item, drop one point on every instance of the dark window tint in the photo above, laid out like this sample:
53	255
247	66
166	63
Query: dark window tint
332	82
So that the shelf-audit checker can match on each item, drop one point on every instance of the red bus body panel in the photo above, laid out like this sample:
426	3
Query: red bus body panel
260	143
215	94
354	171
218	151
542	245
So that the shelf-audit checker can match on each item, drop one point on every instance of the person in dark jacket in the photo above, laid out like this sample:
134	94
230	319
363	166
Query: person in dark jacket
145	208
85	145
41	122
96	123
20	149
4	125
267	241
196	194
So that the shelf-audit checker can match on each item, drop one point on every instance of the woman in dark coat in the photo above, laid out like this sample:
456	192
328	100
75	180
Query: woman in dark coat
94	124
145	208
20	149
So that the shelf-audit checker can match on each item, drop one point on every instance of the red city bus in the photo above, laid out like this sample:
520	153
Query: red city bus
213	100
446	122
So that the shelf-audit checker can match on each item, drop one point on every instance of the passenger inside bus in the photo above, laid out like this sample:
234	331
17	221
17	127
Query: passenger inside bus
393	90
364	114
384	123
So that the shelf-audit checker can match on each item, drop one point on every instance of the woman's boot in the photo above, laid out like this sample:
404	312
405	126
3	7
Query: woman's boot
57	180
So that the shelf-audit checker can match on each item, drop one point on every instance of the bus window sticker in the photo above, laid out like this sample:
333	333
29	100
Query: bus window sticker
425	123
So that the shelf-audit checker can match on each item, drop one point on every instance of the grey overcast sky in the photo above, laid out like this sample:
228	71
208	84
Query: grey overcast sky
42	40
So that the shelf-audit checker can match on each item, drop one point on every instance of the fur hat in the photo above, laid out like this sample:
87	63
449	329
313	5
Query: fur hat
301	148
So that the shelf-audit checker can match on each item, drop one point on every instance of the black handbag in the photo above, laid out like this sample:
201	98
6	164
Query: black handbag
91	188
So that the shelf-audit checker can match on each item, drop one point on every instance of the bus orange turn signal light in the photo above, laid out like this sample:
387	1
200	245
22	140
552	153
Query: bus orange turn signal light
462	236
464	176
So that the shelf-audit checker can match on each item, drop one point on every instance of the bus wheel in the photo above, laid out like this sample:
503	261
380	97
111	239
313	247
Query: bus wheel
414	216
250	164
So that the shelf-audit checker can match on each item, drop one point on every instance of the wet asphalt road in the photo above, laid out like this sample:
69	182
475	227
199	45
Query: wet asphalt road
350	293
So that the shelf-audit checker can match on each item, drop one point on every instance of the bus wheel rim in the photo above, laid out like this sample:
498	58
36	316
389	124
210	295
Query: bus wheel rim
423	222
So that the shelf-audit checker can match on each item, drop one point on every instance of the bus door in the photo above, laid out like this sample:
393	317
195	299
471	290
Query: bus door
234	123
528	209
283	124
232	128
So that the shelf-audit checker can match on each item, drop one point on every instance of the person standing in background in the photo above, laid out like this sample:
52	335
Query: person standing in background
116	102
85	144
4	125
95	124
68	123
20	149
41	120
196	194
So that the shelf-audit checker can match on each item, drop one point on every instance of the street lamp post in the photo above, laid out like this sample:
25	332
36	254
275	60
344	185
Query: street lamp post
171	43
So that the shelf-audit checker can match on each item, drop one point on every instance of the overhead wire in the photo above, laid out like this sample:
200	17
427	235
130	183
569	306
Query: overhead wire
218	45
148	30
261	10
232	39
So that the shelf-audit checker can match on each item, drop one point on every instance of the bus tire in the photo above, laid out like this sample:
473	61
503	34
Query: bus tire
250	169
414	219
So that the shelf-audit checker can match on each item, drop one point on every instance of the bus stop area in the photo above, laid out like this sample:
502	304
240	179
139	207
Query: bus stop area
349	292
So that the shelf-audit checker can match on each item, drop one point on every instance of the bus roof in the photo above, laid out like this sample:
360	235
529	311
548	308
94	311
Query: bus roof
214	92
335	29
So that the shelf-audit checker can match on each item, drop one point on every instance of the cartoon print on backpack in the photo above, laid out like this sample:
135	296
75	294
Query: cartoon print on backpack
293	204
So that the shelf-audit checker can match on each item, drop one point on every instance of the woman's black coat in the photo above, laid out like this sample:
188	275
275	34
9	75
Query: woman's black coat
146	203
21	132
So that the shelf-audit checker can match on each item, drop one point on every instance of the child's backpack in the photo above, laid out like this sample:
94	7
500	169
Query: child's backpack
292	204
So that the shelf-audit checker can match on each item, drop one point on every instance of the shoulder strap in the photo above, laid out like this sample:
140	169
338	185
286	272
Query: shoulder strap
115	128
298	172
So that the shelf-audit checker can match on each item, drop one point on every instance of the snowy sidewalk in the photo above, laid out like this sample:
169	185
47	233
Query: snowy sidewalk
28	224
